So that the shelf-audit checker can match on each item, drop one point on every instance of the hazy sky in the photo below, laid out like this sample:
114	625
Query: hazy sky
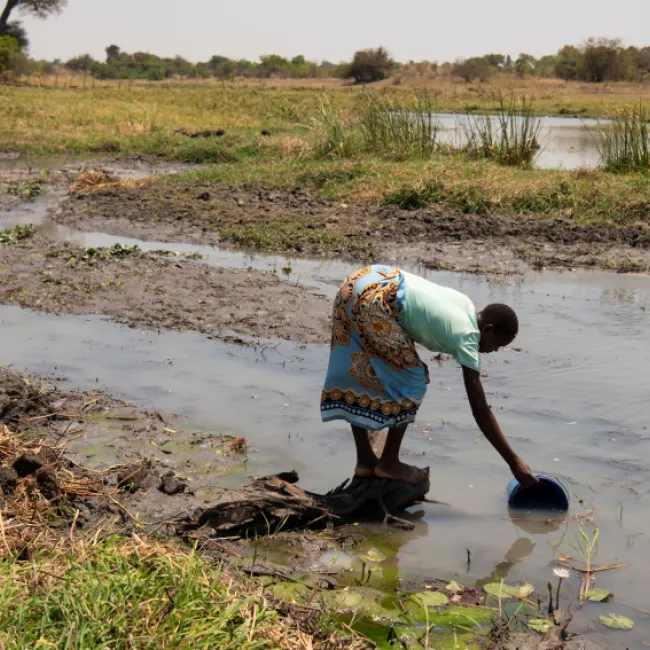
334	29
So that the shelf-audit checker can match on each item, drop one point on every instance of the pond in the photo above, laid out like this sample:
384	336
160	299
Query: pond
566	143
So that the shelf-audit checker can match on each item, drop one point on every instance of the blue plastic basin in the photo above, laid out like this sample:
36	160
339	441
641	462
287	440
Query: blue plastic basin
549	494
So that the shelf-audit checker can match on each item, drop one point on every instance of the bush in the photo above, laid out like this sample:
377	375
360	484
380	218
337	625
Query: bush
9	51
473	69
370	65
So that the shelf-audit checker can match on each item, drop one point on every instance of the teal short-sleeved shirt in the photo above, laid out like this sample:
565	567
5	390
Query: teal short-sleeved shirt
441	319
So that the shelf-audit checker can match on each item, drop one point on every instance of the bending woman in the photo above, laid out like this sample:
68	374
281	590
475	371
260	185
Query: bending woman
375	377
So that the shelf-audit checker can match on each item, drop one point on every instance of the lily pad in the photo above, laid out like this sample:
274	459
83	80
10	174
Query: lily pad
599	595
432	598
502	590
617	622
364	601
373	556
540	625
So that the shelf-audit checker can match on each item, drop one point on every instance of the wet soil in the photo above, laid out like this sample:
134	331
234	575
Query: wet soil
298	221
152	292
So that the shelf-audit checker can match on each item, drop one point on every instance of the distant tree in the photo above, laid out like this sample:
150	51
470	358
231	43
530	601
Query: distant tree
9	50
508	64
472	69
221	67
599	60
82	63
38	8
182	67
16	30
643	60
370	65
525	65
112	52
495	60
298	60
568	62
274	65
545	66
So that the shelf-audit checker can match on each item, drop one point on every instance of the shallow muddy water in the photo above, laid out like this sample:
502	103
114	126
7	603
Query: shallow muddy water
572	397
573	401
566	143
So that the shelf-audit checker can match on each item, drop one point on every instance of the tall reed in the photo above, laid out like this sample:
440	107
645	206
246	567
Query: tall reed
511	137
396	126
336	137
624	144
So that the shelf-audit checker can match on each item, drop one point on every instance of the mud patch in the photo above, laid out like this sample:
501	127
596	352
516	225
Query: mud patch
152	292
298	221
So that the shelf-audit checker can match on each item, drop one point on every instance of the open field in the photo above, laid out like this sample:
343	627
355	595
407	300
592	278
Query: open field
293	136
552	96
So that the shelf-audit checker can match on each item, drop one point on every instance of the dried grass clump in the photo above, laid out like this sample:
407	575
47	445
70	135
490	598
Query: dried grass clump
96	180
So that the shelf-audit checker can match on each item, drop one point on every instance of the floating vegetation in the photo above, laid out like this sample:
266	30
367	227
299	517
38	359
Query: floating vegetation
15	234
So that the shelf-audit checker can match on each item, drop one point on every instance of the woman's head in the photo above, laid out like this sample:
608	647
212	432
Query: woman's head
498	325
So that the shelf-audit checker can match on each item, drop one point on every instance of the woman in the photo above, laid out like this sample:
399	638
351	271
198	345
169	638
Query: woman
375	378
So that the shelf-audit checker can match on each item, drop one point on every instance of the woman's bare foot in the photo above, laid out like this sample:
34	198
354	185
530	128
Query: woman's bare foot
399	471
364	472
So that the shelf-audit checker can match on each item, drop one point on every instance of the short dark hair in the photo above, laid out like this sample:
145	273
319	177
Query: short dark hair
503	318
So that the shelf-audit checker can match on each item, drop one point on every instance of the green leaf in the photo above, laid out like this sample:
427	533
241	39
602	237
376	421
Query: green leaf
454	587
373	556
540	625
599	595
502	590
617	622
432	598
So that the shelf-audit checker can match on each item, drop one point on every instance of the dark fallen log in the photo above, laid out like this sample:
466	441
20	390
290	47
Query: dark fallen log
274	503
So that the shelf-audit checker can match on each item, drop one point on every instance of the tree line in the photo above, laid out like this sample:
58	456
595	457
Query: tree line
596	60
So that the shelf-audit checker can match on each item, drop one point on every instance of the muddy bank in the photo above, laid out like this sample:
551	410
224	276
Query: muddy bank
158	292
299	221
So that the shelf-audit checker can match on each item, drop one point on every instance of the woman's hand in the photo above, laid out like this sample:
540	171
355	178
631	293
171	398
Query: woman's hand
426	372
523	473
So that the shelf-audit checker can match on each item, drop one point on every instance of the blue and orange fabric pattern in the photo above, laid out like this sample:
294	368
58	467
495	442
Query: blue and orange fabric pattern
375	378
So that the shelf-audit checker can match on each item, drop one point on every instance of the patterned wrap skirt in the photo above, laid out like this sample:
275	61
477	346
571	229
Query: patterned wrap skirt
375	378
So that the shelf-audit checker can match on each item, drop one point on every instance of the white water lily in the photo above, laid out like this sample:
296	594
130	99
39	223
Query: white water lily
561	572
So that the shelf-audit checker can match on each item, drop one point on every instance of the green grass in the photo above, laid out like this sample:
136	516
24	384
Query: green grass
127	593
121	598
625	144
295	235
450	182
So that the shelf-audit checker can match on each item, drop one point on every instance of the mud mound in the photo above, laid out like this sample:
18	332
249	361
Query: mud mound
23	402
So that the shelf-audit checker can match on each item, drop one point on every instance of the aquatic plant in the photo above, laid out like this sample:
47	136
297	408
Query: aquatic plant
509	138
398	126
625	143
12	235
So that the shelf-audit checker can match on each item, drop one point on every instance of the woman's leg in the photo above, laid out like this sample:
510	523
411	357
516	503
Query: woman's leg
366	459
390	466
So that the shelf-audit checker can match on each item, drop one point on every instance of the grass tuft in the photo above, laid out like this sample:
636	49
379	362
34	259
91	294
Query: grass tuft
625	144
509	138
398	127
